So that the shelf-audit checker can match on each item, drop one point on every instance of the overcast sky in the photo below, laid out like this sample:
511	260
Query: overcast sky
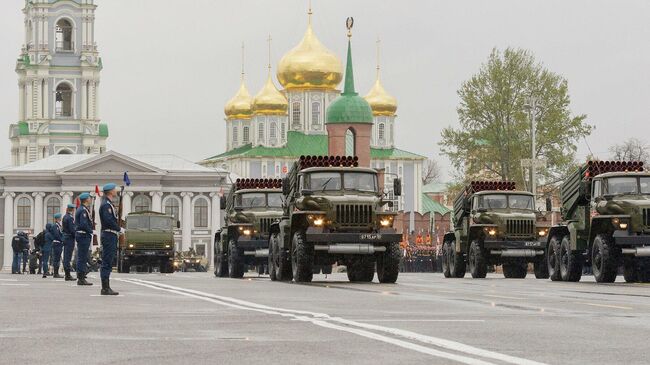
169	66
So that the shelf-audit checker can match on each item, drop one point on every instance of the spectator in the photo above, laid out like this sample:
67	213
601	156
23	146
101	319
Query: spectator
18	244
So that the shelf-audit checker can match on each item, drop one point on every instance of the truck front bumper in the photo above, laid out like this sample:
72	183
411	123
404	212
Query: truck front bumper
254	246
149	253
632	244
514	248
351	242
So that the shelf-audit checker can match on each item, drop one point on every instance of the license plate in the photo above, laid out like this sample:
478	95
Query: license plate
150	253
371	236
531	244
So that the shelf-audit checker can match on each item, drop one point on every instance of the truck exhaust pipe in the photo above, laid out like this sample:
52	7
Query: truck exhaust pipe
518	253
638	251
350	249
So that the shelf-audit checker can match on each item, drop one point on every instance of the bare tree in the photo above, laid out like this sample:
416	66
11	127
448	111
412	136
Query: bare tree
633	149
430	171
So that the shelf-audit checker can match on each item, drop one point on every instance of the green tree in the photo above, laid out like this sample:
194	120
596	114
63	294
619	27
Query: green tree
494	134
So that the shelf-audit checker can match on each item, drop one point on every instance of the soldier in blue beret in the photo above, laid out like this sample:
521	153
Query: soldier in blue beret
46	250
68	240
110	232
83	236
57	243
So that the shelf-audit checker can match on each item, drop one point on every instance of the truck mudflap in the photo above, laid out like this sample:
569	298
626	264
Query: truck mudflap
374	239
624	238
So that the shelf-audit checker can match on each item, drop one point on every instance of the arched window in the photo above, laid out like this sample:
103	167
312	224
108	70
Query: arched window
64	35
246	132
295	113
350	142
53	206
283	132
201	213
141	203
235	135
173	208
260	132
273	133
24	213
315	113
381	131
64	151
63	103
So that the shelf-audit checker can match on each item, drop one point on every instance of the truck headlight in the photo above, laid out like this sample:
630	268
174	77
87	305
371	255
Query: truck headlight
491	231
620	224
386	221
131	245
542	232
316	220
168	246
246	232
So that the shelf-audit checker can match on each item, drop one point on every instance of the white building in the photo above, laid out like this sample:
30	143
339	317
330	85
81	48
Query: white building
30	194
58	83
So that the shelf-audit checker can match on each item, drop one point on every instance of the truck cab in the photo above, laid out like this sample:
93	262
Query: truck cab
149	240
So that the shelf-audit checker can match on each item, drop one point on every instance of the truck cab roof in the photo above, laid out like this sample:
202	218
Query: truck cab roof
624	173
340	169
243	191
510	192
148	212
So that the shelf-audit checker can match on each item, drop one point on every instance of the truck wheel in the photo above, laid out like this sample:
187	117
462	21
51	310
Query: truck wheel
553	259
457	267
327	269
260	269
570	265
361	271
476	260
630	272
281	259
302	259
272	264
122	265
540	267
445	260
516	270
220	262
388	264
643	270
235	261
604	259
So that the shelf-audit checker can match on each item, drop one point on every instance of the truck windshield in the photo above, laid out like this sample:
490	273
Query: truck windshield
161	223
621	185
149	223
361	181
502	201
324	181
137	222
644	184
331	181
520	202
251	200
275	200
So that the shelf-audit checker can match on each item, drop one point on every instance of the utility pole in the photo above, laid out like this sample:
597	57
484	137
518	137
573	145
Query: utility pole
532	104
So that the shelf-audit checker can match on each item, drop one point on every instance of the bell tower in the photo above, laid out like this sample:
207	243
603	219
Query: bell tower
58	81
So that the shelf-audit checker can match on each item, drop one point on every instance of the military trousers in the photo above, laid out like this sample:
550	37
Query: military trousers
68	248
83	246
15	265
46	260
109	250
56	252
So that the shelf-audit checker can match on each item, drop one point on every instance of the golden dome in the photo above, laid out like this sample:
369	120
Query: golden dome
310	65
269	100
381	102
240	106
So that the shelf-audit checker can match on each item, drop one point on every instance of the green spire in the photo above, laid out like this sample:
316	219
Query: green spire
349	74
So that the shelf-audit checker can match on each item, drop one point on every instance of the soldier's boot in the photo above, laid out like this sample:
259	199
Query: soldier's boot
81	279
106	288
56	273
44	275
68	277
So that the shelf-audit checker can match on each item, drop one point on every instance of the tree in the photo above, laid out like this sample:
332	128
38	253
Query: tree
633	149
494	134
430	171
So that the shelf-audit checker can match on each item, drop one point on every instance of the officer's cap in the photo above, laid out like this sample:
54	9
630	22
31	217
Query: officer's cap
71	206
57	216
84	196
109	187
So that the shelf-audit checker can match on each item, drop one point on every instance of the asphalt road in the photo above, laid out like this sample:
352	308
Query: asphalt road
194	318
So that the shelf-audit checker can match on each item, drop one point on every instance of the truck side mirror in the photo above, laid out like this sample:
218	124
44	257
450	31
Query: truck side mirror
178	224
285	186
222	202
397	187
549	204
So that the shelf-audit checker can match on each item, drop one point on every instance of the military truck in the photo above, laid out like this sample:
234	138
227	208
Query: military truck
606	223
334	212
149	240
251	206
494	224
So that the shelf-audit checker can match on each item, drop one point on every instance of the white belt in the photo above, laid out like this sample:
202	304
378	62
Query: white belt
111	231
55	241
83	232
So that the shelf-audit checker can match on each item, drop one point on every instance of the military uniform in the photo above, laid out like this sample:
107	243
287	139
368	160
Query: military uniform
18	244
68	241
110	233
83	236
47	250
57	244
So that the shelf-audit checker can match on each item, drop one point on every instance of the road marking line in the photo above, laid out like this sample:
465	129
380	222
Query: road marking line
502	297
8	279
606	306
14	284
419	320
317	318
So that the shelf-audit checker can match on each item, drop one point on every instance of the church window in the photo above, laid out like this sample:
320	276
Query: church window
246	133
24	213
260	132
64	36
295	112
201	213
382	131
350	142
235	135
141	203
273	132
63	101
315	113
283	132
173	207
53	206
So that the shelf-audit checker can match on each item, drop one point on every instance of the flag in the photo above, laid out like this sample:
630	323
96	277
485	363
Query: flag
96	190
77	202
126	179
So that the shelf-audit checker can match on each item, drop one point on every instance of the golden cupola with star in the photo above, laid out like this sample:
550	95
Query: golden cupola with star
240	106
269	100
384	107
381	102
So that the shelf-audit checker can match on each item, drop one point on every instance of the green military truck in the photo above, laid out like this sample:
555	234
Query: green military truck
606	223
334	213
494	224
251	206
149	240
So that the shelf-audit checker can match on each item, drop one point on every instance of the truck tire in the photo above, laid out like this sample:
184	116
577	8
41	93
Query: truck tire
220	262
272	264
553	258
540	267
165	267
445	260
515	270
362	270
643	270
235	261
122	265
570	263
388	264
327	269
604	259
302	259
476	260
457	266
630	271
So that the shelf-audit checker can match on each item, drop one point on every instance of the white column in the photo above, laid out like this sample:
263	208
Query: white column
84	98
29	83
46	99
39	212
156	201
66	198
21	101
126	206
186	221
215	223
6	252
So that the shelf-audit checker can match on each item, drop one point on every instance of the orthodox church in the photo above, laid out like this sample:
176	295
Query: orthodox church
267	132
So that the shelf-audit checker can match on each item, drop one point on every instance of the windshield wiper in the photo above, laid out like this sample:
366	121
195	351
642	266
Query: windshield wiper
324	186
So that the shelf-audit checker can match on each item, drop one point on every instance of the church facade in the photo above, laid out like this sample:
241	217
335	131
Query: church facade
58	83
267	132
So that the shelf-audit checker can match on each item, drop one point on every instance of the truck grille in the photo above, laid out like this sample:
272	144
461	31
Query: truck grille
646	217
354	215
149	246
520	228
265	225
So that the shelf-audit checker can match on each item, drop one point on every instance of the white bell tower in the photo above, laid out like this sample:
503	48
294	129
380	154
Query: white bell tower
58	79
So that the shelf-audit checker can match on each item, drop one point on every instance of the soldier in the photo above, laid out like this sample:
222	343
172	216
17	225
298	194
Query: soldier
57	244
83	236
110	232
68	240
47	250
18	244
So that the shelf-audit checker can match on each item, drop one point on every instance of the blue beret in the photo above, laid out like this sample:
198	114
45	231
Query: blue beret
57	215
84	196
109	187
71	206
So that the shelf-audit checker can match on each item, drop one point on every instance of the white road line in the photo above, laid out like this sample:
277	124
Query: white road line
8	279
606	306
419	320
502	297
14	284
315	317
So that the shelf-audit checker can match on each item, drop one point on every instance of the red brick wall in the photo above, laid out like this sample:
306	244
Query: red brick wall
336	140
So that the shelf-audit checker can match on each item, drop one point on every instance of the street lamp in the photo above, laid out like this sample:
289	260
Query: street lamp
532	106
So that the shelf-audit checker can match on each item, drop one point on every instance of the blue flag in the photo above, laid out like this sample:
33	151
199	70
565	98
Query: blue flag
126	179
